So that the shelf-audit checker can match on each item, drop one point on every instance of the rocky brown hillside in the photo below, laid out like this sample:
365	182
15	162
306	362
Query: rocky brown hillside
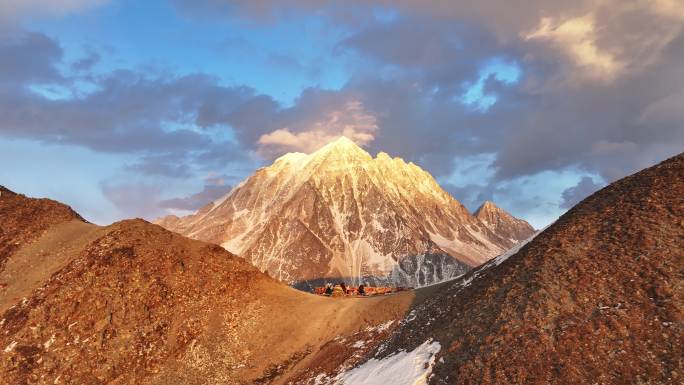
133	303
597	298
24	220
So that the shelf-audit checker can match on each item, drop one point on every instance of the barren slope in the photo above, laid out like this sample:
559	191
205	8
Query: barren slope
134	303
597	298
24	220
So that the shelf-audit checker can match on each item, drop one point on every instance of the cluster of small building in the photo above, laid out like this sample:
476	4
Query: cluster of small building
341	289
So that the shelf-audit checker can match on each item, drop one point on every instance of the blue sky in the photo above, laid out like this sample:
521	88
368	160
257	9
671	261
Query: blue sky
279	59
129	108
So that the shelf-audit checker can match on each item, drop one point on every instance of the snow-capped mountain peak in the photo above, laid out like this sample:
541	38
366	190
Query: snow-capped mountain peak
341	145
339	213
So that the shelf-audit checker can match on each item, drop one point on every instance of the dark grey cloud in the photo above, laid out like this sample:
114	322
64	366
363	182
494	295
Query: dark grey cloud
88	61
411	43
598	127
597	92
167	165
554	119
192	202
441	54
572	196
168	122
29	58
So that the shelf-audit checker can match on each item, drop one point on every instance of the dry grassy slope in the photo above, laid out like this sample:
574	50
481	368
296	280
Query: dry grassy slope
134	303
597	298
32	265
24	220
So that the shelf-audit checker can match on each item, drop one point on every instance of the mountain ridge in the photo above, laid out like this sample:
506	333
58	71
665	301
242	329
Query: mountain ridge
341	213
134	303
594	298
500	221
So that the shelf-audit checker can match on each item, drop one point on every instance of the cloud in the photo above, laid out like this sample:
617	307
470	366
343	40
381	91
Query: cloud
169	123
449	41
663	111
668	8
577	37
86	63
595	36
12	10
29	58
166	165
133	199
351	120
420	44
572	196
213	190
607	129
470	195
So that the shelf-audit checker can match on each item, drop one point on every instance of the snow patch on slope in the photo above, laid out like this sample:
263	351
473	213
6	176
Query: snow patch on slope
402	368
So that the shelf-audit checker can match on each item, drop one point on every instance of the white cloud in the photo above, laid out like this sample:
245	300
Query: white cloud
352	121
603	43
667	8
577	38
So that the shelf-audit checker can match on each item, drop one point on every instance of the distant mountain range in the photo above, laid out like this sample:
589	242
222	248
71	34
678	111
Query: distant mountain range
339	213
